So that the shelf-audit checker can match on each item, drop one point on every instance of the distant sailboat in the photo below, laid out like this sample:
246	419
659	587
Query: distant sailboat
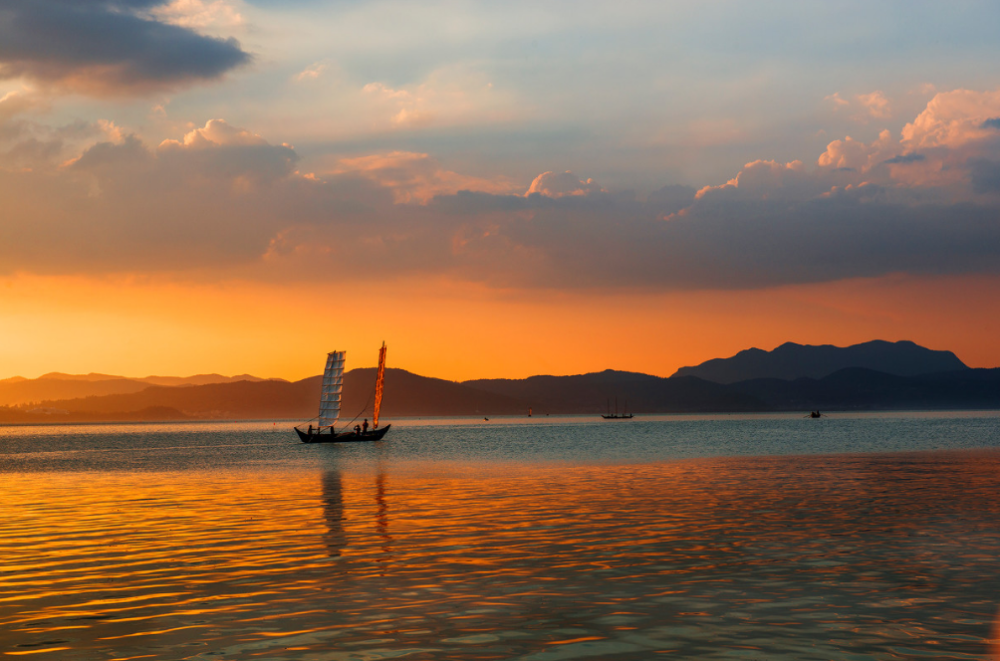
615	416
329	405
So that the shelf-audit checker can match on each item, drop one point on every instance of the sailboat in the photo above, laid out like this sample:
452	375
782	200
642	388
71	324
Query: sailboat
615	416
329	405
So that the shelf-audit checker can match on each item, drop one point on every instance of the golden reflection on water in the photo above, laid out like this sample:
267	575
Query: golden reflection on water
867	556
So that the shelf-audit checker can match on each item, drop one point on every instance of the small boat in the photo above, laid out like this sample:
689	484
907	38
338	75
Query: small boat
815	414
615	415
329	405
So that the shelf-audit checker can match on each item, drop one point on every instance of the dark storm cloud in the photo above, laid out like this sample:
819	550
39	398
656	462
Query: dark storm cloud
992	123
107	46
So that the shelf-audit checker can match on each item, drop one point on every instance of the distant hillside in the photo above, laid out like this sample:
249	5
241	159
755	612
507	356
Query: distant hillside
794	361
56	385
93	376
13	393
200	379
596	392
242	399
196	380
405	394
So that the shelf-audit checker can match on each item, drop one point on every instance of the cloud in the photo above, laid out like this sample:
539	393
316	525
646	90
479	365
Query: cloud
875	104
28	145
218	195
410	107
109	47
953	119
991	123
837	101
450	96
766	179
416	177
721	243
198	14
671	198
850	153
552	184
216	132
15	103
906	158
312	72
222	201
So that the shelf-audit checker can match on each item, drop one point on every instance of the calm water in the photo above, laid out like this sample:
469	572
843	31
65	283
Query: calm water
728	537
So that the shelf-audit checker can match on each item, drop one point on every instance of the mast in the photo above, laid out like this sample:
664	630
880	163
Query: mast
333	383
378	384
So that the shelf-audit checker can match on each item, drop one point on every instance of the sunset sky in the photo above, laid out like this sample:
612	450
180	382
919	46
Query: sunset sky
493	189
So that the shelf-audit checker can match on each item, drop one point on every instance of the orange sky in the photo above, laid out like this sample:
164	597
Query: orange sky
142	326
515	190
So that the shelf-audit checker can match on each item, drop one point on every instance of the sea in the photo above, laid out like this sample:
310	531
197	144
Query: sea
854	536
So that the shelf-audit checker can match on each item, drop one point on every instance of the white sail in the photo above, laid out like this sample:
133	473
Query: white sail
333	383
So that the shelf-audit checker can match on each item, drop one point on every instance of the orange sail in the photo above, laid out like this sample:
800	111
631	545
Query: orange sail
378	384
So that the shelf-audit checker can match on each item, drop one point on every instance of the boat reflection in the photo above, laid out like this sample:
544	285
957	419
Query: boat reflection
333	499
333	512
382	516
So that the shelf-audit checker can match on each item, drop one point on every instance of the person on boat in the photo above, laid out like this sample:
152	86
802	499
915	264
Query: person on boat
357	430
310	430
364	426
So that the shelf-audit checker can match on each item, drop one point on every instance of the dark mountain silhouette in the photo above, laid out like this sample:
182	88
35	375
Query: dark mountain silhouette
408	394
593	393
794	361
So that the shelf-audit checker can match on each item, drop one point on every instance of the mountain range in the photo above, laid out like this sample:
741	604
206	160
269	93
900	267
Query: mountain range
910	378
794	361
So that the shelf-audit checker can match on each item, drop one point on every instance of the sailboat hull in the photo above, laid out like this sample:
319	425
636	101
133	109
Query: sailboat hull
342	437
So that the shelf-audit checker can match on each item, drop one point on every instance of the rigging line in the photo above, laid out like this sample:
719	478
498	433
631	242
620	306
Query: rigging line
364	409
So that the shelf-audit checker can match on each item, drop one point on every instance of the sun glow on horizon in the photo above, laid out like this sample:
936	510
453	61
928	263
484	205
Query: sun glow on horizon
460	331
